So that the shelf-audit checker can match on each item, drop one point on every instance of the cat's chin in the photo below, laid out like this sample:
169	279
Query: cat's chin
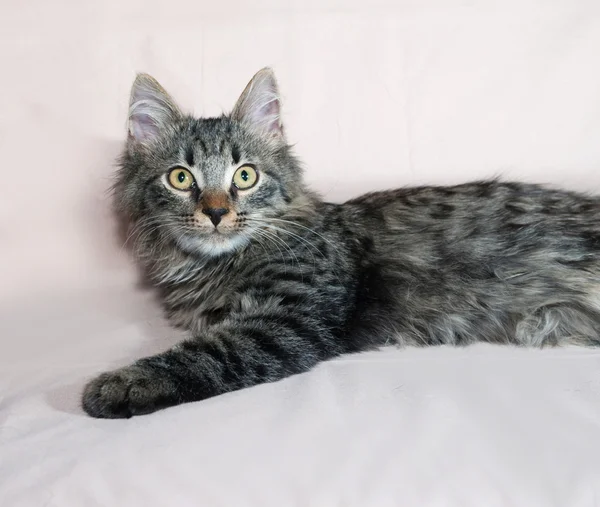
213	244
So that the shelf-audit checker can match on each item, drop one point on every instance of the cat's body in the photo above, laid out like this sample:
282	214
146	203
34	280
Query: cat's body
486	261
292	281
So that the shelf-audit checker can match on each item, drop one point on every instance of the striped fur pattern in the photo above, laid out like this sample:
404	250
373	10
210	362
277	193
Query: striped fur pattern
287	280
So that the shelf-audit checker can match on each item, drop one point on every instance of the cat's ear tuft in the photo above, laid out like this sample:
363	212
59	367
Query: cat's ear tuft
151	108
259	106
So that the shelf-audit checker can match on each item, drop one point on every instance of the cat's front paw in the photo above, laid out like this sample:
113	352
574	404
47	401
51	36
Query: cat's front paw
130	391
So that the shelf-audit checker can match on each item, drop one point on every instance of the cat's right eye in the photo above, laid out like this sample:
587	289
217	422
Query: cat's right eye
181	179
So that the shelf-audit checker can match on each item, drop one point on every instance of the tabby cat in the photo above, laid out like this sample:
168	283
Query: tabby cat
269	280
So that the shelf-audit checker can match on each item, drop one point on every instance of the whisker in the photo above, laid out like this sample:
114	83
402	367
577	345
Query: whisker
271	238
275	228
306	228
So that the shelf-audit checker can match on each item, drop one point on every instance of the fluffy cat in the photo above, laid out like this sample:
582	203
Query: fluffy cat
269	280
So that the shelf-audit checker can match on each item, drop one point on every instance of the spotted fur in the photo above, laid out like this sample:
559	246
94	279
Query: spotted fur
287	280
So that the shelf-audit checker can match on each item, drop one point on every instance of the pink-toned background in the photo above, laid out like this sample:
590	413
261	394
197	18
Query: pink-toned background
376	94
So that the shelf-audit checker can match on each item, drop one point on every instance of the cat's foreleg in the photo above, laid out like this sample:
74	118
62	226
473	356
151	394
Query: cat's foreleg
264	344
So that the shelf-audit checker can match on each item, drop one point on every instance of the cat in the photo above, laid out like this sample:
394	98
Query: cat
269	280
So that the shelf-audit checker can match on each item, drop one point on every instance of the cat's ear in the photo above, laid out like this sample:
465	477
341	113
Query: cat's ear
259	106
150	109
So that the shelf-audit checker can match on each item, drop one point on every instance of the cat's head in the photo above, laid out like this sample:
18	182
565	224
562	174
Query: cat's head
206	185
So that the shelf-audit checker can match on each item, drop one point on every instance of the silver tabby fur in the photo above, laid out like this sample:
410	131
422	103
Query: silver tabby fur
287	280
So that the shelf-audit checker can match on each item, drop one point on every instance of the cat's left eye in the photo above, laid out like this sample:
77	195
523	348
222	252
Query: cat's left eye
181	179
245	177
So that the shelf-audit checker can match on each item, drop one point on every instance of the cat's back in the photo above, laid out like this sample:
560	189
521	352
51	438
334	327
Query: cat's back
485	196
478	205
478	222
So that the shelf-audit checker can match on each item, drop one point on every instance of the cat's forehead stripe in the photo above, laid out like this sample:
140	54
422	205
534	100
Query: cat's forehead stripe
235	154
189	155
202	144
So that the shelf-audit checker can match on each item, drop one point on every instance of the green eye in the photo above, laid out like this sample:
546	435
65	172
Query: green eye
181	179
245	177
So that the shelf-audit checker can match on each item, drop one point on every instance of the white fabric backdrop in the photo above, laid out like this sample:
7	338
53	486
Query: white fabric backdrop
377	94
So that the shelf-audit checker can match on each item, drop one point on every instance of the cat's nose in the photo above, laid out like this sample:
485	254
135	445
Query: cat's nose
215	214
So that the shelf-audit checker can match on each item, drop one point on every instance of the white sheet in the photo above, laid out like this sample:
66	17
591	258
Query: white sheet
478	426
377	94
